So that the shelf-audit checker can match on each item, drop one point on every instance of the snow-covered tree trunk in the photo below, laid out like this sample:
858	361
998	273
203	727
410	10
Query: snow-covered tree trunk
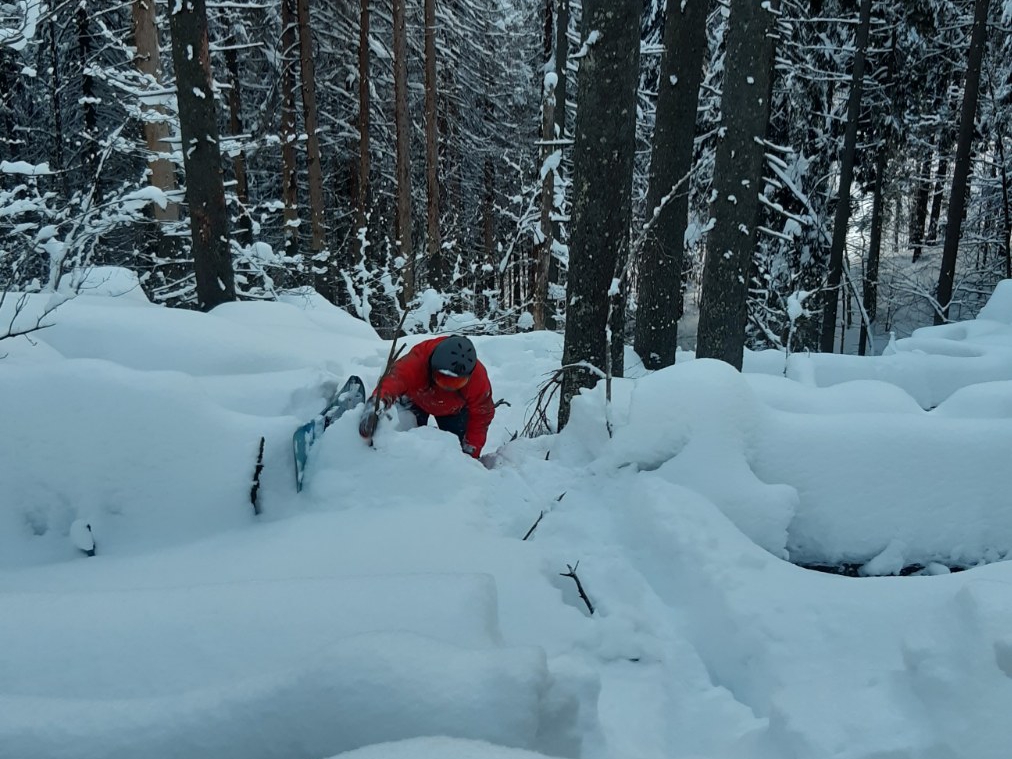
362	185
402	172
549	151
602	184
88	102
205	190
244	236
438	269
288	131
667	207
314	168
841	224
919	215
871	267
961	166
737	181
156	129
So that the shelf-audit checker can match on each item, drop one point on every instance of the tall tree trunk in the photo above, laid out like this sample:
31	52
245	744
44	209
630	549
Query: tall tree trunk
549	153
841	224
919	215
156	130
289	170
961	167
870	286
438	270
245	234
488	223
402	129
602	210
325	280
561	57
737	181
89	150
561	63
660	281
205	190
1006	238
363	188
941	174
55	94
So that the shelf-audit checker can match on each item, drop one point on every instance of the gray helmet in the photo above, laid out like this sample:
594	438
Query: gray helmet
455	356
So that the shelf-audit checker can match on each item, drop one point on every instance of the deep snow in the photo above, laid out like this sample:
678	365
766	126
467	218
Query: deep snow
391	609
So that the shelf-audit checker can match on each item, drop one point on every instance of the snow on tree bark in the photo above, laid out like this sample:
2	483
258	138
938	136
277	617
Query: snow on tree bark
660	272
314	168
402	129
737	181
961	166
148	60
205	190
841	224
602	184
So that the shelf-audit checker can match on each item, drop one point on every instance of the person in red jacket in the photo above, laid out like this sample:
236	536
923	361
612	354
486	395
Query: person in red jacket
442	377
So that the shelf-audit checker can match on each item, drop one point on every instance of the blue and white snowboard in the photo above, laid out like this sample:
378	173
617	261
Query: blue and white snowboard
345	399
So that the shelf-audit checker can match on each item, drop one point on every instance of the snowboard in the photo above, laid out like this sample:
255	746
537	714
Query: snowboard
345	399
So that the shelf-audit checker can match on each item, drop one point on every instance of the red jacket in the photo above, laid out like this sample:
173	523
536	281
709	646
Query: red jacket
411	377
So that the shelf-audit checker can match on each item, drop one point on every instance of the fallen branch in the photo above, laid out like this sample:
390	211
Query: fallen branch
256	478
540	517
537	422
392	357
579	585
535	525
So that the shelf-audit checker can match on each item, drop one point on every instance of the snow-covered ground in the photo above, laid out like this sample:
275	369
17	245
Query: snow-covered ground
392	610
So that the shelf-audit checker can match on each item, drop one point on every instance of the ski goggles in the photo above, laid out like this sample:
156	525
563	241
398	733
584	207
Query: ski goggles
449	381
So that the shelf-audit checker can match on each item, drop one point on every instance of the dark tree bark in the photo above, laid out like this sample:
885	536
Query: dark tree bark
562	78
402	128
561	62
941	174
602	184
1006	238
288	133
245	234
488	222
737	181
961	167
363	187
920	211
437	266
205	190
539	308
56	89
841	224
314	168
870	286
89	149
660	273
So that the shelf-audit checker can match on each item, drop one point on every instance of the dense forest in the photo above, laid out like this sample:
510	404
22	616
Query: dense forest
712	175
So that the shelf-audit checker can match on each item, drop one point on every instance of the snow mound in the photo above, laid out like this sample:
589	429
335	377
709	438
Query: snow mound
439	748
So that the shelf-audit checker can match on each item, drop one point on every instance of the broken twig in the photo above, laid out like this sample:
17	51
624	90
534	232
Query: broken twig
579	585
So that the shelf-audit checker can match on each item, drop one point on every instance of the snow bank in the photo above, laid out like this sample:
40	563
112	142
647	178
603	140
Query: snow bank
361	690
439	748
891	660
146	460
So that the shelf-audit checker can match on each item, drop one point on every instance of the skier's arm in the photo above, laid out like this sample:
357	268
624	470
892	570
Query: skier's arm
480	410
407	374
